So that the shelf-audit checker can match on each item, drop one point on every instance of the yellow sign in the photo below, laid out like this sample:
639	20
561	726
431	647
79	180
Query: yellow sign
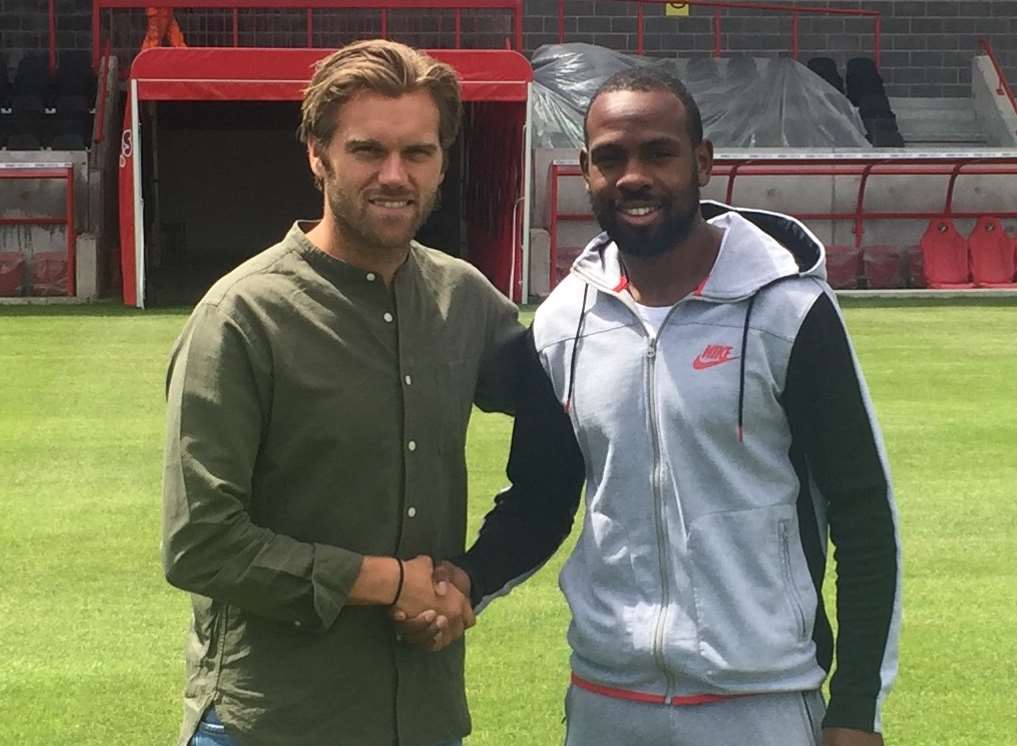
676	9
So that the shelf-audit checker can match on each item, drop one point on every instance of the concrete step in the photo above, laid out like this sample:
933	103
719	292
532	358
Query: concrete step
937	121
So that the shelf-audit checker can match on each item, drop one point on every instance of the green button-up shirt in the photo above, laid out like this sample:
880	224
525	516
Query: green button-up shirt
316	416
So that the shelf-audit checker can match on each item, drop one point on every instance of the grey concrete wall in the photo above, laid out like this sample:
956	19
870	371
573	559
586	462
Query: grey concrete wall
927	44
995	113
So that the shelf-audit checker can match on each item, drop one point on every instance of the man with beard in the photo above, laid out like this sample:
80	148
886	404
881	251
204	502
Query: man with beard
318	400
726	432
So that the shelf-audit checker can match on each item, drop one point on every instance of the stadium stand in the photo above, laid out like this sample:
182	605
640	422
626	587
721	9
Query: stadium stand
992	254
945	256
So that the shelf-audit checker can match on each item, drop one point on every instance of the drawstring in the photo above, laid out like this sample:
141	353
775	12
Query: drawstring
741	374
567	404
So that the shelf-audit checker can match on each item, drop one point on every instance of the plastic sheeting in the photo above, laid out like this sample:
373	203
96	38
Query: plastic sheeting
746	102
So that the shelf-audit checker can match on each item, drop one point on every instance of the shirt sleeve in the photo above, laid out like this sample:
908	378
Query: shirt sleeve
218	401
832	421
534	514
498	377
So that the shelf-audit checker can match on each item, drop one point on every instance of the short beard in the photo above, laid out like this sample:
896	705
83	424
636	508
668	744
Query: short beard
646	243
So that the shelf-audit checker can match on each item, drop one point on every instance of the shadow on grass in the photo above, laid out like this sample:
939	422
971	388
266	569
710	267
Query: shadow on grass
111	308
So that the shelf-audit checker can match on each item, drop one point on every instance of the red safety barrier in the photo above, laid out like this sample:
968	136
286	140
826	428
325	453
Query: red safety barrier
387	12
992	254
65	174
771	8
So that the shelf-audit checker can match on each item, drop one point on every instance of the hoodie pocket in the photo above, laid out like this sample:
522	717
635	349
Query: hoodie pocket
749	615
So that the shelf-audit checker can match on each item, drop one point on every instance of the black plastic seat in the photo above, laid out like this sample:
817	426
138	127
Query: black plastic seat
826	68
23	141
75	77
32	77
68	142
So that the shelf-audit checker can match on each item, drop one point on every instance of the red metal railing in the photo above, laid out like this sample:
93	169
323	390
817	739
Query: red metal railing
794	11
50	171
385	9
864	168
1003	86
99	128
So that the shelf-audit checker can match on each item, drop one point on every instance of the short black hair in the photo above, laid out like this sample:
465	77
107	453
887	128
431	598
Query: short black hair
651	78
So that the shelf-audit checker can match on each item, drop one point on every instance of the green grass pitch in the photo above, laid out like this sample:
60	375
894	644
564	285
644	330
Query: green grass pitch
91	636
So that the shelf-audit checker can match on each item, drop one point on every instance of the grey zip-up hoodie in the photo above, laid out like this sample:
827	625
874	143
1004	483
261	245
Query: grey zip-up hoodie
719	456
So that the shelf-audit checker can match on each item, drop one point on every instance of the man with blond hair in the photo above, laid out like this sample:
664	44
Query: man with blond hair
318	400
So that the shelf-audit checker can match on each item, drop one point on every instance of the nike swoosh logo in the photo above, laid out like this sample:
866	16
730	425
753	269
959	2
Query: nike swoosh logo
700	364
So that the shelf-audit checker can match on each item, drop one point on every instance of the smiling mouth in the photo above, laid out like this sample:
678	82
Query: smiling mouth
391	204
638	212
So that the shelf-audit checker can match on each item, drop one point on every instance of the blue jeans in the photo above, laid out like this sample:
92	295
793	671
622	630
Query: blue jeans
211	732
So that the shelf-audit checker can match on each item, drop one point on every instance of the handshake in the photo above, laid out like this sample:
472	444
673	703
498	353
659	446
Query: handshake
432	607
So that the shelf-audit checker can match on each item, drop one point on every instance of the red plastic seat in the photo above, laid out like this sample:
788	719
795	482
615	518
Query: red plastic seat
945	256
49	273
885	266
992	254
916	267
12	273
843	266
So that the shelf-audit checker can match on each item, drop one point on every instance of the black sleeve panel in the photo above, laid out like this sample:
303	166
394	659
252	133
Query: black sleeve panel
830	420
532	517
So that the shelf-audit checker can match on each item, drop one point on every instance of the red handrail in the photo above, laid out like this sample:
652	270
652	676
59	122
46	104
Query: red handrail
792	10
385	7
1003	86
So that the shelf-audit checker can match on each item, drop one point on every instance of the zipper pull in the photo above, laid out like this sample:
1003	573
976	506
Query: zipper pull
651	350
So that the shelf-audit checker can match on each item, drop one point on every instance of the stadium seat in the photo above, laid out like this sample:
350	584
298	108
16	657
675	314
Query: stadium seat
862	78
32	77
843	266
68	142
12	273
916	267
885	266
945	256
75	77
48	270
992	254
23	141
6	89
826	68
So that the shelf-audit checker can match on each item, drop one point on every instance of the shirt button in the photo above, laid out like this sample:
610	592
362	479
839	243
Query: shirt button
409	380
297	624
387	317
411	512
370	276
412	445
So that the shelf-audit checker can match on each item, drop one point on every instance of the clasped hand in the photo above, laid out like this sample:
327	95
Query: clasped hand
433	610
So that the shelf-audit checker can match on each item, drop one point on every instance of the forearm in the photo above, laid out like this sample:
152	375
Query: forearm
533	516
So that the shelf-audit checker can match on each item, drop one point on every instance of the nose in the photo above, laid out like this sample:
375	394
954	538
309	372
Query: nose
634	176
393	171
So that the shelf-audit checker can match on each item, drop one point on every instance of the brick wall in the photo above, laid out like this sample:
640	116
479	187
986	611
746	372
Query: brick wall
927	45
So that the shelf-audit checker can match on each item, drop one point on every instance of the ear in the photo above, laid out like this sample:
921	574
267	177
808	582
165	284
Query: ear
314	159
704	162
584	166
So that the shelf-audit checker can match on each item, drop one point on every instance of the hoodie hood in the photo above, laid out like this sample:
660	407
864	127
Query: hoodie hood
758	248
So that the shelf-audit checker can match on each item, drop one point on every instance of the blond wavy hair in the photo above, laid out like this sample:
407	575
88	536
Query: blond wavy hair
383	67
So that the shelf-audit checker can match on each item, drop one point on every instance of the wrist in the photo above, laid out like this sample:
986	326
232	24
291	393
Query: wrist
399	582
